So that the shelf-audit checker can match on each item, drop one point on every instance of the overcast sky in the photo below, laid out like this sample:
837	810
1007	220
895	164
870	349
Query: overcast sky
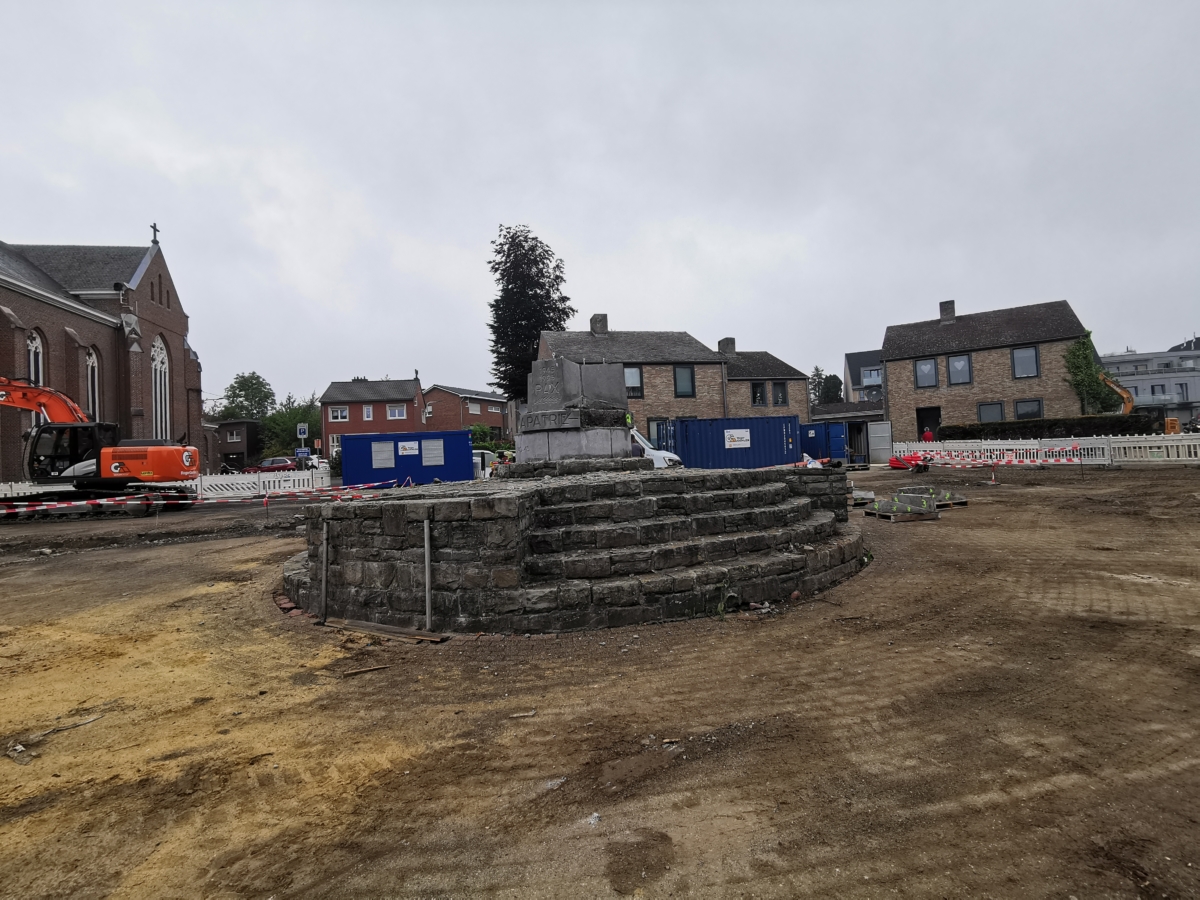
328	176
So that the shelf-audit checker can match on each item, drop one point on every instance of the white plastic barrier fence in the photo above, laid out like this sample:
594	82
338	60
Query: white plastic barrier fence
1094	451
248	485
19	489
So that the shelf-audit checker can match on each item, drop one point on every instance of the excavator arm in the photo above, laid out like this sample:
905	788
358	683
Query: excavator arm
54	405
1127	400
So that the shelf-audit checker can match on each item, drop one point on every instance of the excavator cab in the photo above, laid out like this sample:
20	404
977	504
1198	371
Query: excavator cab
66	452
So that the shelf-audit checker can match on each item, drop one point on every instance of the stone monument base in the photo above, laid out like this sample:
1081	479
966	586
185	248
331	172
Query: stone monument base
573	443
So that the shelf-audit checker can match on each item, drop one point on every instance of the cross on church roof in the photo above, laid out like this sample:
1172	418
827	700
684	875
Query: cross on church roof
154	228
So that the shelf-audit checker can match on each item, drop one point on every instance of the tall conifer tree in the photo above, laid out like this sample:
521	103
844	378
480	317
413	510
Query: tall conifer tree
530	300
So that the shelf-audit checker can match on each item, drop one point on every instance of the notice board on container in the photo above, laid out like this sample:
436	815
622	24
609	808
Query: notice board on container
433	452
382	455
737	438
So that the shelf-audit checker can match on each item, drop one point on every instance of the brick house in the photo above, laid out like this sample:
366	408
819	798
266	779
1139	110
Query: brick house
761	384
361	406
105	326
671	375
239	442
862	376
982	367
452	409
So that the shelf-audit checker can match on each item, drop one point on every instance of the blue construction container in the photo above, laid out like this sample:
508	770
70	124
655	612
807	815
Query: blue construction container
419	457
825	440
751	443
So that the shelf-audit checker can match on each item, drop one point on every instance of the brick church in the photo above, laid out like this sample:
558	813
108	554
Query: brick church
104	325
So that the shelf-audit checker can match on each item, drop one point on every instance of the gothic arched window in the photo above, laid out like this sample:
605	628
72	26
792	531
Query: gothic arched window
160	369
36	367
92	365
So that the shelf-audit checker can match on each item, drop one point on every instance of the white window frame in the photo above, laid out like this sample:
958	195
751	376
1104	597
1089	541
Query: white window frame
335	443
495	409
368	412
233	436
397	411
339	414
160	389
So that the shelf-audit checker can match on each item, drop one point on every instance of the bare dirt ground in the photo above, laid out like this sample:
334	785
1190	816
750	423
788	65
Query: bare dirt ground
1004	704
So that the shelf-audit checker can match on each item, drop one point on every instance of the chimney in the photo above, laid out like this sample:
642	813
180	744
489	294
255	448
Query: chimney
600	323
946	310
727	345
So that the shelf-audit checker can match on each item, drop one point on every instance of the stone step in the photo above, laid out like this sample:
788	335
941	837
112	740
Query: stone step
659	530
678	593
629	508
603	563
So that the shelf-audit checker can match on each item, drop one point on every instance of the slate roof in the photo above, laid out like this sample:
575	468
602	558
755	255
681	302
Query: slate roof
463	392
866	359
371	391
1186	347
1035	324
83	268
759	364
15	265
629	347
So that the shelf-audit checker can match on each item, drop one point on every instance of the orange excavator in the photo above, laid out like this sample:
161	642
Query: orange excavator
69	450
1127	400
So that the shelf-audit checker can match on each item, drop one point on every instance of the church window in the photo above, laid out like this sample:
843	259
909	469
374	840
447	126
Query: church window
36	366
160	370
92	366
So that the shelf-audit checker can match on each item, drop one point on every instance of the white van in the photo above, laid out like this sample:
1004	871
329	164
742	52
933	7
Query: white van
483	463
662	459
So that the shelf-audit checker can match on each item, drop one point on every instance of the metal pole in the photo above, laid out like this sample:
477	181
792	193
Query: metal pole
324	569
428	583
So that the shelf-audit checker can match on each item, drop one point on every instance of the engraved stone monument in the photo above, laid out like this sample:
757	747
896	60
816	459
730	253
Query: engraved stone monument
573	411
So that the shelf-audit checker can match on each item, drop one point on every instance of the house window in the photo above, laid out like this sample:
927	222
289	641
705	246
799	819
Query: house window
958	369
335	444
685	381
758	393
160	393
871	376
472	408
397	411
779	393
368	412
633	382
991	412
92	365
1133	389
926	373
1025	363
1157	390
1028	409
339	414
233	436
495	409
1181	390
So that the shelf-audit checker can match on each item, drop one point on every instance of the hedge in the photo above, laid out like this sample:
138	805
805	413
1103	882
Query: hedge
1044	429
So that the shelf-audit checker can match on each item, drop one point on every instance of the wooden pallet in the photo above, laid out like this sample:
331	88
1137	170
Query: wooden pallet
902	516
940	504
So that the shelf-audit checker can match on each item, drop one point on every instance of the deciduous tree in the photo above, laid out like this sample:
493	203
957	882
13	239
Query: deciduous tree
248	396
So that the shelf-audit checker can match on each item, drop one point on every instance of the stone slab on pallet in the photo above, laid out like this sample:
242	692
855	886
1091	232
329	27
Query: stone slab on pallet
581	551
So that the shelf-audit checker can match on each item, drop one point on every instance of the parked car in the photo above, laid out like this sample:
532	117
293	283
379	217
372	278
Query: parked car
273	464
662	458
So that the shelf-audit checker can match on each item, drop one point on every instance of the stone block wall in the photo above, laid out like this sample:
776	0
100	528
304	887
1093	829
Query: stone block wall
581	551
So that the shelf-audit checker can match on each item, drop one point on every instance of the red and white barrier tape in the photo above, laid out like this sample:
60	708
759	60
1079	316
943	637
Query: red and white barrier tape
145	499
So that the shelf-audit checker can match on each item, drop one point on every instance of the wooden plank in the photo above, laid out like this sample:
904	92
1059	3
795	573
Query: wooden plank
411	634
902	517
361	671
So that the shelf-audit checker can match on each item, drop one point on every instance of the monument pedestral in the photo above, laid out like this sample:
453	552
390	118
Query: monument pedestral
573	411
